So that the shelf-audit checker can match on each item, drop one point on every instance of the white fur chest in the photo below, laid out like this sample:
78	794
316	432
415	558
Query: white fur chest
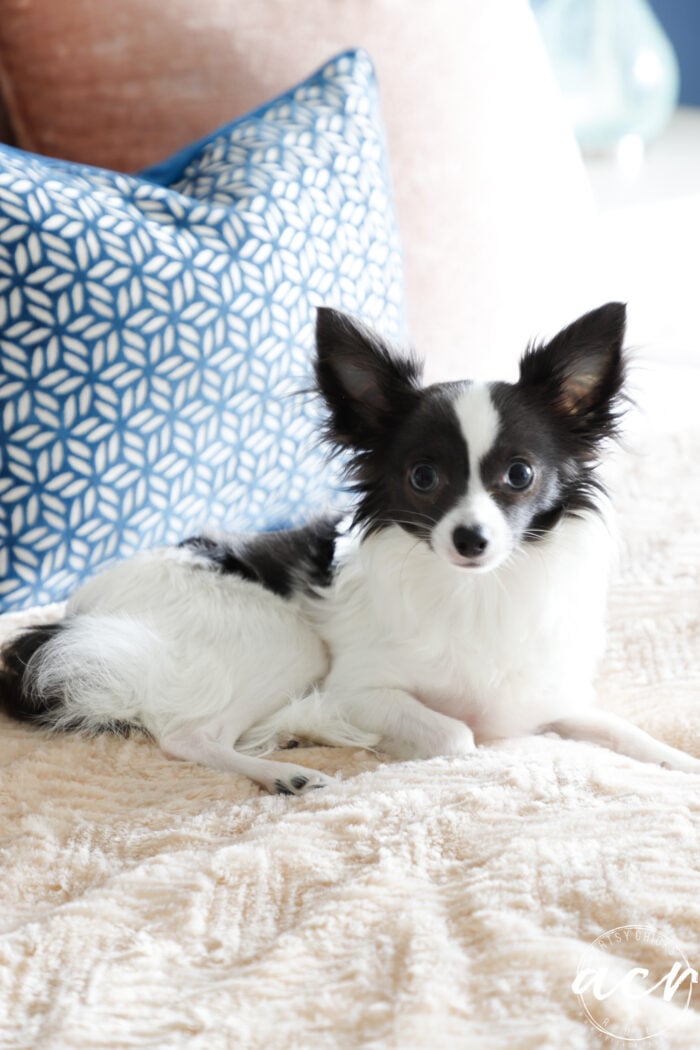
504	651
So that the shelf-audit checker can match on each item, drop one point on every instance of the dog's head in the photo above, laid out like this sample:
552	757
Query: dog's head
472	469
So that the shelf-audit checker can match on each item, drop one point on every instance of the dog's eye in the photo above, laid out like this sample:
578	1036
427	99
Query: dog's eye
519	475
424	477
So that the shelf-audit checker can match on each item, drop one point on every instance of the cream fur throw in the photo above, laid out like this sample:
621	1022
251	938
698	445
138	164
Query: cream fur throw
148	903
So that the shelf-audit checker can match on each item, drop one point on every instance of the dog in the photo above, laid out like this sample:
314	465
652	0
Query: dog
464	602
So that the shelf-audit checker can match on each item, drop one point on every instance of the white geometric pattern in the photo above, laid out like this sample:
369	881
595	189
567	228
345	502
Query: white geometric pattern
155	331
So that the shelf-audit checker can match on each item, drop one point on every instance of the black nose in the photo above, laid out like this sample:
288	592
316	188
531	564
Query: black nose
470	543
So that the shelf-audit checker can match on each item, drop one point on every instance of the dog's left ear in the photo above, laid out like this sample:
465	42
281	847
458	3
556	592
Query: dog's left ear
366	385
581	371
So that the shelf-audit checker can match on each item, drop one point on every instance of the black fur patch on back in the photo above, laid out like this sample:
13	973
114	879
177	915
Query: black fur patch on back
284	562
15	699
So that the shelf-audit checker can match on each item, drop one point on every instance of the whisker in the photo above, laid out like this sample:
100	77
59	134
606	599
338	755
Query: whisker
500	582
417	514
409	552
398	521
530	533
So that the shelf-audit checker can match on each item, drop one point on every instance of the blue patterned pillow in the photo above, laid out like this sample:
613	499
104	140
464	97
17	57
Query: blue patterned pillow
155	330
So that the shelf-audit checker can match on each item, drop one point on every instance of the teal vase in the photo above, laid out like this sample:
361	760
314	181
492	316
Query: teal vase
615	66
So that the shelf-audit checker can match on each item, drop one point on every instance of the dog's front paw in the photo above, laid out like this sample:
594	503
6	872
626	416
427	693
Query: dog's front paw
456	742
683	763
453	741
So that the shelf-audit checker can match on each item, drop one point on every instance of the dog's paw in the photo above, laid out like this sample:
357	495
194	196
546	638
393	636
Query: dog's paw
456	742
453	741
682	762
299	781
459	744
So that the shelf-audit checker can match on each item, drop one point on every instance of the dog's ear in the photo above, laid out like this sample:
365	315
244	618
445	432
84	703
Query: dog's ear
581	371
366	385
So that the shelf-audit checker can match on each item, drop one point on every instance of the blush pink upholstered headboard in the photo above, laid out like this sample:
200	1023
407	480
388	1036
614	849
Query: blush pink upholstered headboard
489	187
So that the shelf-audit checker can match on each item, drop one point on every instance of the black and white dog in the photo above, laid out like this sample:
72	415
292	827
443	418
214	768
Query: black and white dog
466	604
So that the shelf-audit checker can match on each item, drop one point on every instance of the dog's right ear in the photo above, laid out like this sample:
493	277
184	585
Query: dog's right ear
366	385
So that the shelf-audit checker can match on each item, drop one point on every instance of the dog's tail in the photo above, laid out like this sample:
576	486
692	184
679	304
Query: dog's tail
17	696
82	673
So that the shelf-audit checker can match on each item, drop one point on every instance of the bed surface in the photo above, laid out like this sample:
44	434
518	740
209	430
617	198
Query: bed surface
419	904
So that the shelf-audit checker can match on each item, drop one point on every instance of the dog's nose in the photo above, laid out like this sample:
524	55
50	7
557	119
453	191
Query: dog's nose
470	542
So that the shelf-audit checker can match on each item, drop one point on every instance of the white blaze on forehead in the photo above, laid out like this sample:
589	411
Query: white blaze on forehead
479	422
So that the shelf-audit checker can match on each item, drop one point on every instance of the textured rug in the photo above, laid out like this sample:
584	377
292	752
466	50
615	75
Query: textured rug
450	903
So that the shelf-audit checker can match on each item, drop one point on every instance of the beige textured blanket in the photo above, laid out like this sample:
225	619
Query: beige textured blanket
148	903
